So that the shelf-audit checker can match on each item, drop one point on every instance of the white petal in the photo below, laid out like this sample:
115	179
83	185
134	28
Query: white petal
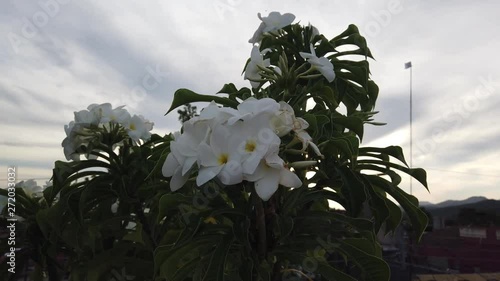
268	185
254	84
300	124
257	36
278	70
207	173
259	172
188	164
170	165
174	149
206	156
289	179
306	56
311	47
266	63
185	148
219	139
315	148
178	180
287	18
252	162
328	73
274	161
286	107
231	173
255	55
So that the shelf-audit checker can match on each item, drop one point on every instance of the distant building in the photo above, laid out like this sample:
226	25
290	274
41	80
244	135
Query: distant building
458	277
460	249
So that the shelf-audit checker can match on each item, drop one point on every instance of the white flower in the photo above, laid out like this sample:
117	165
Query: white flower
31	188
100	111
173	168
299	127
104	113
219	158
274	21
306	140
270	173
184	153
75	138
213	115
254	138
322	64
282	121
233	145
86	117
252	71
118	115
285	121
252	107
148	124
68	143
138	128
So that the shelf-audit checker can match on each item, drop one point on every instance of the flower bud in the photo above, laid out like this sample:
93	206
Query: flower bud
302	164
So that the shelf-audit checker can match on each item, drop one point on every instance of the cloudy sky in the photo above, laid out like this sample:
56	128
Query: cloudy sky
59	56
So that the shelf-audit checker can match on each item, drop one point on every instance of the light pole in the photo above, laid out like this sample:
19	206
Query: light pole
408	65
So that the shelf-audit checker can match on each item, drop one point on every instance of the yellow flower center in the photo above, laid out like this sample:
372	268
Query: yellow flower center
250	146
132	126
223	159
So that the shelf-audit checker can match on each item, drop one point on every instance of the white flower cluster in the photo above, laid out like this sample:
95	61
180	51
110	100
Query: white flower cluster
31	188
274	22
99	116
237	144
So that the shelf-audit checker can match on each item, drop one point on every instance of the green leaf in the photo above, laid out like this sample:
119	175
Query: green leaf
135	235
366	255
285	225
171	202
395	216
218	260
353	190
228	89
356	223
354	124
394	151
333	274
419	174
185	96
409	203
348	144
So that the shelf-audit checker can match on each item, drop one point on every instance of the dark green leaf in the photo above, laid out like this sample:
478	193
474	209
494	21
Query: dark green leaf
185	96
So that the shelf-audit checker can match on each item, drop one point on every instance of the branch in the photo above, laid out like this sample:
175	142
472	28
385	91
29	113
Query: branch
260	218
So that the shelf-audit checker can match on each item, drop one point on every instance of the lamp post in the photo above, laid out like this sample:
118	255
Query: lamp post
408	65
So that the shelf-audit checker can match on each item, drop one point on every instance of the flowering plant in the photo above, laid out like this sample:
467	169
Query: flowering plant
269	160
243	191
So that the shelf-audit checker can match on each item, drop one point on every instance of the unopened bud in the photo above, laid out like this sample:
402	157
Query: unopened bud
302	164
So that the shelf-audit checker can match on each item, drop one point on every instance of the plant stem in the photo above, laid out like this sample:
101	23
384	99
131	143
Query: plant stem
260	218
145	225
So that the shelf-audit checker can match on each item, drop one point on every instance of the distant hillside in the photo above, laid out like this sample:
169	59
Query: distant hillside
451	203
487	206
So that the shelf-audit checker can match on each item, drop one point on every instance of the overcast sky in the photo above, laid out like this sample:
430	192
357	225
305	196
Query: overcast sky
59	56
